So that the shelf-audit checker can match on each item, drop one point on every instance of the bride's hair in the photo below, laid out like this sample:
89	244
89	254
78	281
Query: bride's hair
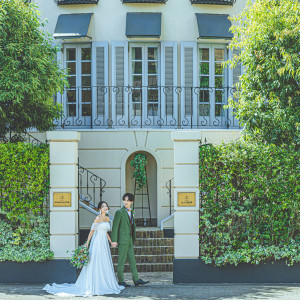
101	203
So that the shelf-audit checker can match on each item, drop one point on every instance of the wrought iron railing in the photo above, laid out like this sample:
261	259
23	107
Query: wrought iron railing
113	107
169	188
69	2
90	187
144	1
214	2
21	137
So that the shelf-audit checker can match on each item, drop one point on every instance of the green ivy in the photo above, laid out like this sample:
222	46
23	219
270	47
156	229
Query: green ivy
24	218
139	164
249	204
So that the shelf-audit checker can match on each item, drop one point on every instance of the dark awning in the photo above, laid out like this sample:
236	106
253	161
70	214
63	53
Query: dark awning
214	26
143	25
72	26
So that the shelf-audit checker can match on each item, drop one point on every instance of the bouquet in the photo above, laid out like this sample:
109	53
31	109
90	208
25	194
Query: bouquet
80	257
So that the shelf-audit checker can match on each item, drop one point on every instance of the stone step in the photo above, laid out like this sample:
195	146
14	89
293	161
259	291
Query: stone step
151	250
149	234
149	268
154	242
145	259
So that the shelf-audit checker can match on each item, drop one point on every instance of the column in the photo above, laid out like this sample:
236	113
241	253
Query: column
186	194
63	192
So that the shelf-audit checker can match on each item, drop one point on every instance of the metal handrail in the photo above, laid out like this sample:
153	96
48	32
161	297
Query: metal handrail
87	192
169	187
147	107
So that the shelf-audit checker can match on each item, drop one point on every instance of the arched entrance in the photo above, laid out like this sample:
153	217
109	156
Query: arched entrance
145	205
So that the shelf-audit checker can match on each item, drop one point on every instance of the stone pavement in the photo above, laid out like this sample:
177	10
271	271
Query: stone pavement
161	288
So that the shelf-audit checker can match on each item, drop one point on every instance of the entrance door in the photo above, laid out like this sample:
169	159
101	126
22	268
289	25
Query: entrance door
141	205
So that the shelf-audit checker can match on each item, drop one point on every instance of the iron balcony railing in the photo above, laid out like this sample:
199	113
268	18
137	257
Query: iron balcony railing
214	2
69	2
144	1
146	107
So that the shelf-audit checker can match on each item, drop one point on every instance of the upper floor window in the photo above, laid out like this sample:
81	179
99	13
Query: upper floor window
212	79
69	2
214	2
145	78
78	96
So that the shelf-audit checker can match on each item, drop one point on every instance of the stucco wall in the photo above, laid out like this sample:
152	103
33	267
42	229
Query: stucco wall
109	20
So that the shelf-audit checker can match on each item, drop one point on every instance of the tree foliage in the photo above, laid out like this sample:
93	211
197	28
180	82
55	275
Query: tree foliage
29	74
268	32
250	200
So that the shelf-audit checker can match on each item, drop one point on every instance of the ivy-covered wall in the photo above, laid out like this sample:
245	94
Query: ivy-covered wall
24	217
249	205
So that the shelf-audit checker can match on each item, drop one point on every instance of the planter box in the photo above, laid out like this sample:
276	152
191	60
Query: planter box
58	271
196	271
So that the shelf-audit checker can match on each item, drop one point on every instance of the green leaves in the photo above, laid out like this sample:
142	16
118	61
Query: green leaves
249	208
268	32
29	74
139	164
24	186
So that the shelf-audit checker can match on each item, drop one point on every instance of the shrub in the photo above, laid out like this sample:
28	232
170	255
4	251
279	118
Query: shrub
24	218
249	206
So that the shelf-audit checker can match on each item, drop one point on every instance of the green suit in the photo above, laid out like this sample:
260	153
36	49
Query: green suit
124	234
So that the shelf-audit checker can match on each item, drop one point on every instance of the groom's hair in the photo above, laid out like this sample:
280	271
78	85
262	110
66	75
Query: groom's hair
130	197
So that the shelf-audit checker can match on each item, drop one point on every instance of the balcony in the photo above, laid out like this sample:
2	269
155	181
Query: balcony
144	1
72	2
158	107
214	2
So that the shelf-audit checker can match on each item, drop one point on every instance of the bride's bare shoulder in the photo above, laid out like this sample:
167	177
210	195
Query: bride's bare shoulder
98	219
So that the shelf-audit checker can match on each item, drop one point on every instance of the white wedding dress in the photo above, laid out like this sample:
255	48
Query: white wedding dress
98	276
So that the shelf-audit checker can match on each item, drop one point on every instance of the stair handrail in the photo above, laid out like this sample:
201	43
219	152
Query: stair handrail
169	187
91	179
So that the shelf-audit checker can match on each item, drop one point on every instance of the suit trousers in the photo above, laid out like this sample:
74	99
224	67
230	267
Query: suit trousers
126	251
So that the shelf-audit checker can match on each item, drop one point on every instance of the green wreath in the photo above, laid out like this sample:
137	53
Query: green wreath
139	164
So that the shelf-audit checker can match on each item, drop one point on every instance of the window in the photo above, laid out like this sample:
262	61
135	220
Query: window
78	98
144	79
212	80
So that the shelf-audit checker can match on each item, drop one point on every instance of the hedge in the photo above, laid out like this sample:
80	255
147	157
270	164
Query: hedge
249	204
24	217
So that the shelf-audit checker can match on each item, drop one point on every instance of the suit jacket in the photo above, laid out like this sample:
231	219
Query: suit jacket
122	228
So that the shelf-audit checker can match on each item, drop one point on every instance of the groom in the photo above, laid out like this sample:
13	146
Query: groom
123	235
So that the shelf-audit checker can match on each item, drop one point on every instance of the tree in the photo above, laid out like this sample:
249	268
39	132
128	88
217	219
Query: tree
29	73
268	107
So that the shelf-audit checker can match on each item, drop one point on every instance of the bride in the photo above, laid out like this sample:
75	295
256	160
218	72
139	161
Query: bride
98	276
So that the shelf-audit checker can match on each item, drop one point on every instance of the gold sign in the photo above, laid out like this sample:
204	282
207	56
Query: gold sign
186	199
62	199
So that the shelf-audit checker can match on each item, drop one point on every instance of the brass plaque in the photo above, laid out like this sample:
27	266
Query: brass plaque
62	199
186	199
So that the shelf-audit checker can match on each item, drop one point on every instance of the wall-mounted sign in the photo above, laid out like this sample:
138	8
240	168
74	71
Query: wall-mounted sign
62	199
186	199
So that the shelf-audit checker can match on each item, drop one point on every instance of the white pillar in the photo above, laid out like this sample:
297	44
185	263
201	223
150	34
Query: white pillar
63	192
186	185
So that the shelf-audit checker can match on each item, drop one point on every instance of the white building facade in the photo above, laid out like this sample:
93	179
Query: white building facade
139	70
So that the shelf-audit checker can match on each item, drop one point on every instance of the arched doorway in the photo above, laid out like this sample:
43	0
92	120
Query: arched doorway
145	205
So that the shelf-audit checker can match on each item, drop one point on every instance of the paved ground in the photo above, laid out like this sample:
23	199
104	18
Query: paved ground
161	287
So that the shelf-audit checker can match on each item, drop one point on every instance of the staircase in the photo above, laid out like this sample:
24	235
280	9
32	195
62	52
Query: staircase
153	252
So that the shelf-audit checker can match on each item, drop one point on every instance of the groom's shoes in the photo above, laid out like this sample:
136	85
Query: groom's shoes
124	284
140	281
